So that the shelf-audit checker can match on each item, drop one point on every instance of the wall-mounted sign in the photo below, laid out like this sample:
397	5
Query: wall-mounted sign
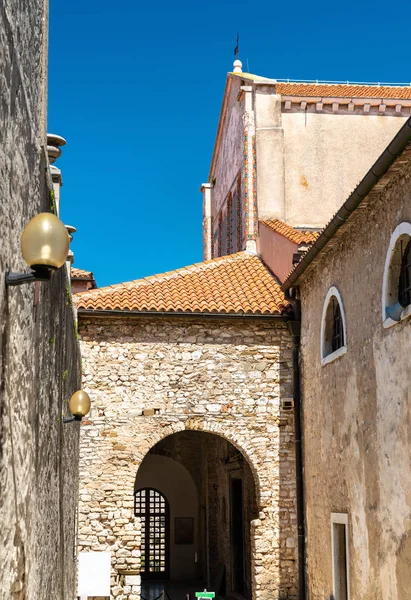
183	530
94	574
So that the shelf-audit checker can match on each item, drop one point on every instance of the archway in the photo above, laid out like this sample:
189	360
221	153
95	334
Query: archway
211	493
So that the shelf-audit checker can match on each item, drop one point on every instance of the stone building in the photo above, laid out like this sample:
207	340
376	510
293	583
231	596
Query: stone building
40	360
188	372
190	467
354	289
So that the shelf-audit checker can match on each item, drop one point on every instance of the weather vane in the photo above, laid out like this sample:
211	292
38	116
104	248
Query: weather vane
236	48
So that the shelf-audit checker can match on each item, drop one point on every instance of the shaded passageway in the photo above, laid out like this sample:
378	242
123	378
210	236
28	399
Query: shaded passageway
195	497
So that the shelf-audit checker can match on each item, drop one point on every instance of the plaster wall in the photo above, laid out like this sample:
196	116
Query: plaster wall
218	376
176	484
276	251
269	154
325	156
39	366
357	417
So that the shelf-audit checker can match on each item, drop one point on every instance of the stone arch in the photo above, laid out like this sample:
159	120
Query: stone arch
207	426
242	442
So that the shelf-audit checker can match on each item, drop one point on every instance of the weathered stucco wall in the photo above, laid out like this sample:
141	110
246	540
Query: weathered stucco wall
357	417
269	153
39	367
325	155
220	377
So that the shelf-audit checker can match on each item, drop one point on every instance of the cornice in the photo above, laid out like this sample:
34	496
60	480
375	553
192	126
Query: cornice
343	105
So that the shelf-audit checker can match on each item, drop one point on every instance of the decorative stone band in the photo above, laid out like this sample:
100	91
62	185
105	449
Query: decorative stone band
370	106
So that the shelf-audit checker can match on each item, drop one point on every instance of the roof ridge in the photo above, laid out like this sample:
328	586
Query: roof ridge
301	235
181	271
236	283
344	83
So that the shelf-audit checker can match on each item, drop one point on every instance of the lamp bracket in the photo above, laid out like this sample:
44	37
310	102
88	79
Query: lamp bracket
37	273
71	419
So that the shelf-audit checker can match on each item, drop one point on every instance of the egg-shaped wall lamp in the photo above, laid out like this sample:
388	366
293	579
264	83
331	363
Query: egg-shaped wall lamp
45	245
79	406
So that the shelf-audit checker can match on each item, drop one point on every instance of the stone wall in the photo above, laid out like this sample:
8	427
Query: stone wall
40	364
223	377
357	417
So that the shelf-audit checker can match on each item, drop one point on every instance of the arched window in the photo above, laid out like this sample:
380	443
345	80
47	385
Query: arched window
333	327
152	508
396	289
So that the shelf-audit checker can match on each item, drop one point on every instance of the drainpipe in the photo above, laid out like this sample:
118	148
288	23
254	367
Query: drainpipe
207	531
294	328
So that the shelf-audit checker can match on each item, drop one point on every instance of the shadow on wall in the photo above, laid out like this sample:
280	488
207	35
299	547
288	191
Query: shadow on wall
286	490
212	499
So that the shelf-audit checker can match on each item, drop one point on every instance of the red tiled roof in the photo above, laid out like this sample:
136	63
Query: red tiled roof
80	274
238	283
294	235
343	90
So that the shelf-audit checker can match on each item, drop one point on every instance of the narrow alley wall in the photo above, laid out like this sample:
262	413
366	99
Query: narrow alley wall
40	362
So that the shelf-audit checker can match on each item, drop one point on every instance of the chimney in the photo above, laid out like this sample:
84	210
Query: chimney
54	143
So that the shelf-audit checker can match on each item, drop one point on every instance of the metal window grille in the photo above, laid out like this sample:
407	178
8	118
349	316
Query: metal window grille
152	508
404	287
337	340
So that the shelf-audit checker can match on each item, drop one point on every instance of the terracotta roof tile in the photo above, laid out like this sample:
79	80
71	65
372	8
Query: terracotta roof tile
239	283
343	90
80	274
297	236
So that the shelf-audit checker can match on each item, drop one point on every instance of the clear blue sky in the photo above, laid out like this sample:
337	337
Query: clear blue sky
136	88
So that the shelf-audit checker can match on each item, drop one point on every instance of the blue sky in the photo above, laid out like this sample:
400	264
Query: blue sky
136	88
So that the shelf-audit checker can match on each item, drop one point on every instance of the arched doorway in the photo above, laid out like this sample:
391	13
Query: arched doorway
153	509
211	492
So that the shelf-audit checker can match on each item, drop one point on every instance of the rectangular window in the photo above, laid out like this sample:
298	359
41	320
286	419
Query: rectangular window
339	544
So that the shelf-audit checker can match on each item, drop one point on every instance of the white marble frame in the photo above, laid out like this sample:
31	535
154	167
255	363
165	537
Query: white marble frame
403	228
341	519
325	359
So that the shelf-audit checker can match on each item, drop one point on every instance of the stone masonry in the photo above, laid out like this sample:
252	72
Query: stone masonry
222	376
39	352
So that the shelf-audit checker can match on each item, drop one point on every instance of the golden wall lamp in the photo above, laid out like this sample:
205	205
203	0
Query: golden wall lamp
45	246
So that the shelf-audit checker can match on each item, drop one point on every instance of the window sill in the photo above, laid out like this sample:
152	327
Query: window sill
406	313
333	356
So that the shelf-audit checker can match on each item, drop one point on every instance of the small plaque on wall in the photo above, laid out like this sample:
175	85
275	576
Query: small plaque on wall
183	530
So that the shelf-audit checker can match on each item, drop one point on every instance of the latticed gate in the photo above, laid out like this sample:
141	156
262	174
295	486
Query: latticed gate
153	509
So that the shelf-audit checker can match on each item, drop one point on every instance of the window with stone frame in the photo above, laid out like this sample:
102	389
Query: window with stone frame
230	224
229	233
397	276
333	330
